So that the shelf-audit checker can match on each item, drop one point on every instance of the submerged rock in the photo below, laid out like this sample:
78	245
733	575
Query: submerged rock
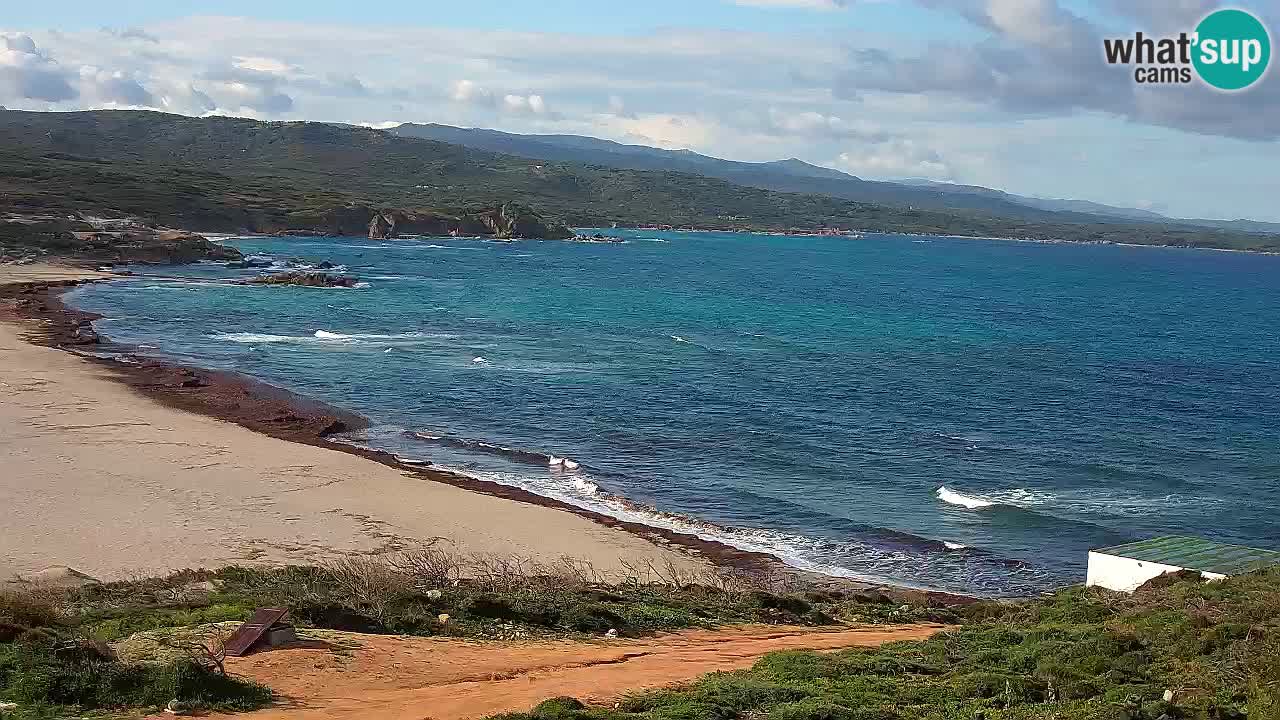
303	278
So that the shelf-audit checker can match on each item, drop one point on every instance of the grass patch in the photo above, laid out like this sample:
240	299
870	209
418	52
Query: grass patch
1080	654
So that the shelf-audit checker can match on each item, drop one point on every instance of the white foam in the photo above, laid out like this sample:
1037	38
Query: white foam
954	546
328	338
327	335
570	464
554	461
677	338
480	359
950	496
793	549
255	338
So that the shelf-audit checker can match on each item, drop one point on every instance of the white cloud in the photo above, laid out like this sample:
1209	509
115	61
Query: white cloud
898	158
26	73
271	66
113	88
668	130
466	91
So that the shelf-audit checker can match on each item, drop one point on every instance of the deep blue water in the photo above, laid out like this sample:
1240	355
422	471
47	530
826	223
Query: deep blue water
806	396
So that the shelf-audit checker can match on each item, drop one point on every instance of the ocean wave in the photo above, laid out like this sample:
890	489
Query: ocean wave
876	555
330	338
952	497
524	456
943	566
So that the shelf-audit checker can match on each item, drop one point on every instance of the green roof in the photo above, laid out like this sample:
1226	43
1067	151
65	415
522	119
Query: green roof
1196	554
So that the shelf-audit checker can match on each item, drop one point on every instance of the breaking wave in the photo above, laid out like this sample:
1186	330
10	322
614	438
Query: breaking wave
952	497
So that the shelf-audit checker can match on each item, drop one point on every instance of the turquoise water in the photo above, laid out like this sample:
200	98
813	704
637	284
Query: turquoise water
962	414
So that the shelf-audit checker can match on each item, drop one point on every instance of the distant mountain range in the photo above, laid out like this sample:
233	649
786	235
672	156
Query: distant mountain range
793	175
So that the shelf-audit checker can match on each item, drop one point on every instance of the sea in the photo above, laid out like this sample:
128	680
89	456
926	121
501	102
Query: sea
947	413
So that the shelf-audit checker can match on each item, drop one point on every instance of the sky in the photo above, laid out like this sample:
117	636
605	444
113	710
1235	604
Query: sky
1010	94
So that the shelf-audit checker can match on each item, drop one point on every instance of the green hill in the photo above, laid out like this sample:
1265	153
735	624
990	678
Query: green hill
226	174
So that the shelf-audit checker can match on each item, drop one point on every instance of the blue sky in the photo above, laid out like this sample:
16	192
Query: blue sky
1010	94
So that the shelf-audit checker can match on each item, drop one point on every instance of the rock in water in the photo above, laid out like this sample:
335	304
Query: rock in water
304	278
382	226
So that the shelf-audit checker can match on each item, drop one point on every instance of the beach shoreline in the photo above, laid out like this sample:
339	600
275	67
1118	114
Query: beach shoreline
125	470
285	416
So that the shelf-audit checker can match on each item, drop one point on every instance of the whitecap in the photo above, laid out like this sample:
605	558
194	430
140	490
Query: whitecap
950	496
570	464
954	545
677	338
255	338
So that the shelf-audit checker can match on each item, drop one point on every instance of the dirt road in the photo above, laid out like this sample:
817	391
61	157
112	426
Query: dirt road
403	678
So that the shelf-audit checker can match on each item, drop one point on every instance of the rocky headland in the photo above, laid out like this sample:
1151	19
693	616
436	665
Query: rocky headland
104	241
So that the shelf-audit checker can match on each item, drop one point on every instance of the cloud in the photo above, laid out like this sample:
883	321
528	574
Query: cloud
27	73
810	123
131	33
618	107
114	88
265	65
524	103
896	158
247	86
188	100
1042	58
668	130
466	91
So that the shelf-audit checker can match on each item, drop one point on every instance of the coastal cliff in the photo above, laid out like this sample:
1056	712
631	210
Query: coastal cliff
506	221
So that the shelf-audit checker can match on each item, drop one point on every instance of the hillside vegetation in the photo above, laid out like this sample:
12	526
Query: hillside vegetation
1179	649
138	644
226	174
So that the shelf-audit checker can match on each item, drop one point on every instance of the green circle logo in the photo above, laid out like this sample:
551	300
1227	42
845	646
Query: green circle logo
1232	49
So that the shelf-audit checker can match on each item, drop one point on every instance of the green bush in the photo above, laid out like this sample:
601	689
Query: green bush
40	674
558	708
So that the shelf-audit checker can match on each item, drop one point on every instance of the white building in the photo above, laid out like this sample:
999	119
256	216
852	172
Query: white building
1125	568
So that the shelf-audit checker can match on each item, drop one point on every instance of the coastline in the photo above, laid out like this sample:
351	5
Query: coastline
285	416
860	233
124	470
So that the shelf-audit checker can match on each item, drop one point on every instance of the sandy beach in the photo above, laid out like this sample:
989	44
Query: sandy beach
99	478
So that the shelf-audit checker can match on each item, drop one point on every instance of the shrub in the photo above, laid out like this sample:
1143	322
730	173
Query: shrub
558	708
591	618
28	610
